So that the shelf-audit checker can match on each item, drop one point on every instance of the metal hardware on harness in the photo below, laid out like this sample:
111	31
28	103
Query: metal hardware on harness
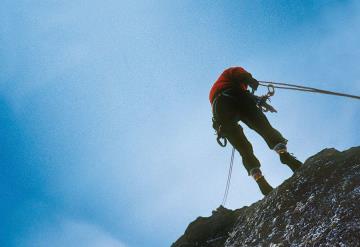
217	127
261	101
271	90
218	139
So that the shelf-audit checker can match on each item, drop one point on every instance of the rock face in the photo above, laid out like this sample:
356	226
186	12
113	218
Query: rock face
318	206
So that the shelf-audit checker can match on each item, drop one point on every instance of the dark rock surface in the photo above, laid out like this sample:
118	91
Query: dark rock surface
209	231
318	206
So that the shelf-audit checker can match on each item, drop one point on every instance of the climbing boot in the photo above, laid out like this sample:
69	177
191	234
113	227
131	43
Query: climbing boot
264	186
290	161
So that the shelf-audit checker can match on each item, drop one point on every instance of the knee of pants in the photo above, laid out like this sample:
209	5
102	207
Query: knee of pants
250	163
235	135
242	145
245	148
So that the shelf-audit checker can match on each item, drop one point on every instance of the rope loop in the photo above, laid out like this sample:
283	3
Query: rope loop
221	143
271	90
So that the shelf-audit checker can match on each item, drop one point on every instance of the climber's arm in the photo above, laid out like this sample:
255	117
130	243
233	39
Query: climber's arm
242	76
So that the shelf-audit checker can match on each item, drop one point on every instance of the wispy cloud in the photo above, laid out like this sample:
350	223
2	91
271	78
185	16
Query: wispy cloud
69	233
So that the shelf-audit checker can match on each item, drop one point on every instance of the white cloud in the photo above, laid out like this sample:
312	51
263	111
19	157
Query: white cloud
69	233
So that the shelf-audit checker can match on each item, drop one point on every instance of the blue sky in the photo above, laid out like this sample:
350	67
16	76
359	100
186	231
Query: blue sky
106	135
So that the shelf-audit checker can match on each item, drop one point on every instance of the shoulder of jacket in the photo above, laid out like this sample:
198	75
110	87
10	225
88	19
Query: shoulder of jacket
237	69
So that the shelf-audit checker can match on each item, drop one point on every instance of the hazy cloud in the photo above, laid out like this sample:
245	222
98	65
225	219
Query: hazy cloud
69	233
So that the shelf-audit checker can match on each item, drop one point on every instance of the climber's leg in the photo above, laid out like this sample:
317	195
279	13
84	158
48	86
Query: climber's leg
235	135
227	113
256	120
264	186
286	158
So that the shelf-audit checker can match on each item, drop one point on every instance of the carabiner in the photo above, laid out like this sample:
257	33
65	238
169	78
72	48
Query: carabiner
219	141
271	90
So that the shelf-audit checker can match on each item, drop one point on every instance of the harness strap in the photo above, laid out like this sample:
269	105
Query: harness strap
221	139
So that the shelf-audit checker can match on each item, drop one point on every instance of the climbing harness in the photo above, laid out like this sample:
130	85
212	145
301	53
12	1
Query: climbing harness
288	86
261	102
228	178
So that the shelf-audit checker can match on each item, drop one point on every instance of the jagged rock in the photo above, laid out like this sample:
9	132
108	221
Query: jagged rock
209	231
318	206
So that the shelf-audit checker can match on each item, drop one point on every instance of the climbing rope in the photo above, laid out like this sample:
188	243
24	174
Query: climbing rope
228	178
304	89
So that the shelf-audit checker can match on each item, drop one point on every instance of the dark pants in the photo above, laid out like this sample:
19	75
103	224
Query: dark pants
233	106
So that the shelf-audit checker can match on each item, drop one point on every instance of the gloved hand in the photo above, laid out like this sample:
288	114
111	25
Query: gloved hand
253	83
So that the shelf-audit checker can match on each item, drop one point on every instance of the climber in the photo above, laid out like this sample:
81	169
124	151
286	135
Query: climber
232	102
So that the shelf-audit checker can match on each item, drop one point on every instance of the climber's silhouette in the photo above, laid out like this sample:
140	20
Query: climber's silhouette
232	102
